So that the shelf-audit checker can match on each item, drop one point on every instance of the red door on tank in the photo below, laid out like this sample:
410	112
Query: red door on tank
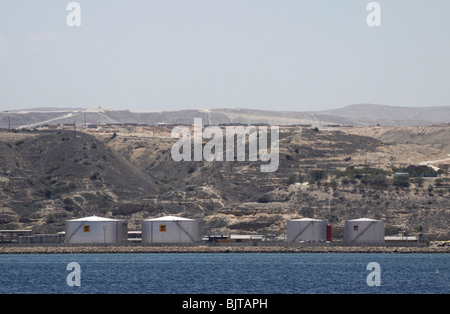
329	233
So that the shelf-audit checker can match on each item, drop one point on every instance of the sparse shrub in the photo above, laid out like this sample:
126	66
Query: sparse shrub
417	171
401	181
68	204
68	201
72	186
301	178
50	218
419	181
291	180
317	176
378	181
442	181
53	168
332	184
264	199
48	193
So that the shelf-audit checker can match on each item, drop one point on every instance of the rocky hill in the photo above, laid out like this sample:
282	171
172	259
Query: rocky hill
49	176
354	115
371	114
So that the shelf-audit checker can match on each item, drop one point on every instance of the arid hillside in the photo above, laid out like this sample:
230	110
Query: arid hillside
235	197
50	176
355	115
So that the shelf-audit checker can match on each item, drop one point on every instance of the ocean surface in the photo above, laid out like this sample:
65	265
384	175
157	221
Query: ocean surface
225	273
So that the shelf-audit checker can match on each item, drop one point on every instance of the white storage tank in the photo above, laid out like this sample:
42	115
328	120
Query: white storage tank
364	231
171	229
96	230
306	229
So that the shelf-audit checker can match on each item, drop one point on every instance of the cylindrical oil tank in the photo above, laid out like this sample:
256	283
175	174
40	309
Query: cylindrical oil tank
306	229
364	231
171	229
96	230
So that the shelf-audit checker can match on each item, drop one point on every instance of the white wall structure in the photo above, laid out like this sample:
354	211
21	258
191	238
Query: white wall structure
96	230
171	229
364	231
306	229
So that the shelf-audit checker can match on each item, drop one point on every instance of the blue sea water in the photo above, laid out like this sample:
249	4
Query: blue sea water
225	273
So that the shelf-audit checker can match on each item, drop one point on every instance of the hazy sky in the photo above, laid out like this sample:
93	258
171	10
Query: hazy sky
152	55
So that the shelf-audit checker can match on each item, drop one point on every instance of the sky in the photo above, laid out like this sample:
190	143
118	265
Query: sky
155	55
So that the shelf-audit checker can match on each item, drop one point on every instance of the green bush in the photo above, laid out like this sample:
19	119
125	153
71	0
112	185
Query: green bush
50	218
418	171
291	180
401	181
317	176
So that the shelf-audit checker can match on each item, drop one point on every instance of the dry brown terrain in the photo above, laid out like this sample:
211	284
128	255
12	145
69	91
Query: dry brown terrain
50	176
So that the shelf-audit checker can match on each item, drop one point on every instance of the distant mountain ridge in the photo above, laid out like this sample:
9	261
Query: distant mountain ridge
354	115
393	116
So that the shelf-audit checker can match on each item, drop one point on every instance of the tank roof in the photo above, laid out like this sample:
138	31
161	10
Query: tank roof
364	219
305	219
94	218
170	218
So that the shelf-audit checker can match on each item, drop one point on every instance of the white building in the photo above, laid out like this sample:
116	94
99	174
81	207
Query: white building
96	230
306	229
171	229
364	231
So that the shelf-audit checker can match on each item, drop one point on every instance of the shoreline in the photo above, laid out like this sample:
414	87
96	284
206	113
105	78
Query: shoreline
219	249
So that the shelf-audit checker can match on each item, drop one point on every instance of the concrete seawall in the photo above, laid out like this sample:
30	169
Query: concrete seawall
217	249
